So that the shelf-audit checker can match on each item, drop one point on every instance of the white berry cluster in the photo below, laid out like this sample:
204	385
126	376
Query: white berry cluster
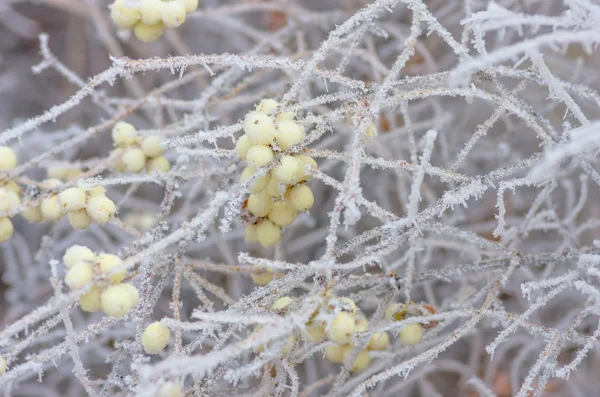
134	154
410	334
276	197
148	18
116	299
9	192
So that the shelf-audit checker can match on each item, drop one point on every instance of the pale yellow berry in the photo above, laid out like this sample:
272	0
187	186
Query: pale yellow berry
134	160
159	163
302	197
361	324
169	389
51	208
13	187
78	253
124	134
107	263
268	233
288	134
57	172
6	229
72	199
3	365
251	233
336	353
80	219
118	300
315	333
411	334
148	33
133	292
259	155
190	5
263	275
259	128
8	199
361	362
379	341
282	213
348	305
341	329
155	337
395	312
267	106
273	189
288	171
260	204
33	214
285	116
90	302
308	164
123	16
152	146
51	183
79	275
173	14
281	303
72	174
97	191
151	11
242	146
117	163
260	184
101	209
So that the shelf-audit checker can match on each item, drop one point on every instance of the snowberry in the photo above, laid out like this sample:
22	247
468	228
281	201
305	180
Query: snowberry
107	263
379	341
13	187
267	106
259	128
118	300
80	219
302	197
3	365
155	337
361	362
33	214
79	275
315	333
173	14
308	162
6	229
268	233
411	334
361	324
51	183
148	33
51	209
159	163
190	5
97	191
340	330
259	155
289	171
285	116
8	199
260	204
117	157
395	312
169	389
124	134
123	16
281	303
348	305
152	146
90	302
151	11
242	146
282	213
77	253
260	184
100	209
72	199
134	160
273	189
288	134
336	353
251	233
263	275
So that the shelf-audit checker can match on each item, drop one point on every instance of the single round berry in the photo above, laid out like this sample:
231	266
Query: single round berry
190	5
282	213
51	208
159	163
263	275
259	128
273	189
13	187
124	134
107	263
302	197
101	209
6	229
79	275
336	353
97	191
260	204
80	219
155	337
123	16
259	155
411	334
285	116
379	341
251	233
90	302
242	146
288	171
151	11
173	14
315	333
259	184
341	329
8	199
288	134
152	146
308	164
72	199
281	303
78	253
134	160
33	214
267	106
148	33
360	363
268	233
118	300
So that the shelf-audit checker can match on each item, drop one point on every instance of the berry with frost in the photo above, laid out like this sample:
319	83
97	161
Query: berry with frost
395	312
315	333
411	334
134	160
8	159
8	199
361	362
288	134
51	208
152	146
33	214
159	163
151	11
347	305
124	134
263	275
282	213
155	337
101	209
267	106
148	33
308	164
280	304
259	128
123	16
289	170
259	155
285	116
173	14
190	5
268	233
78	253
259	184
341	329
118	300
90	302
108	262
362	324
336	353
379	341
6	229
79	219
251	232
72	199
96	191
242	146
260	204
301	197
79	275
273	189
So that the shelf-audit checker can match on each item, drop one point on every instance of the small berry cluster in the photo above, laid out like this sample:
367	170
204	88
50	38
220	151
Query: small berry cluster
134	154
85	206
116	299
155	337
148	18
277	197
410	334
9	192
